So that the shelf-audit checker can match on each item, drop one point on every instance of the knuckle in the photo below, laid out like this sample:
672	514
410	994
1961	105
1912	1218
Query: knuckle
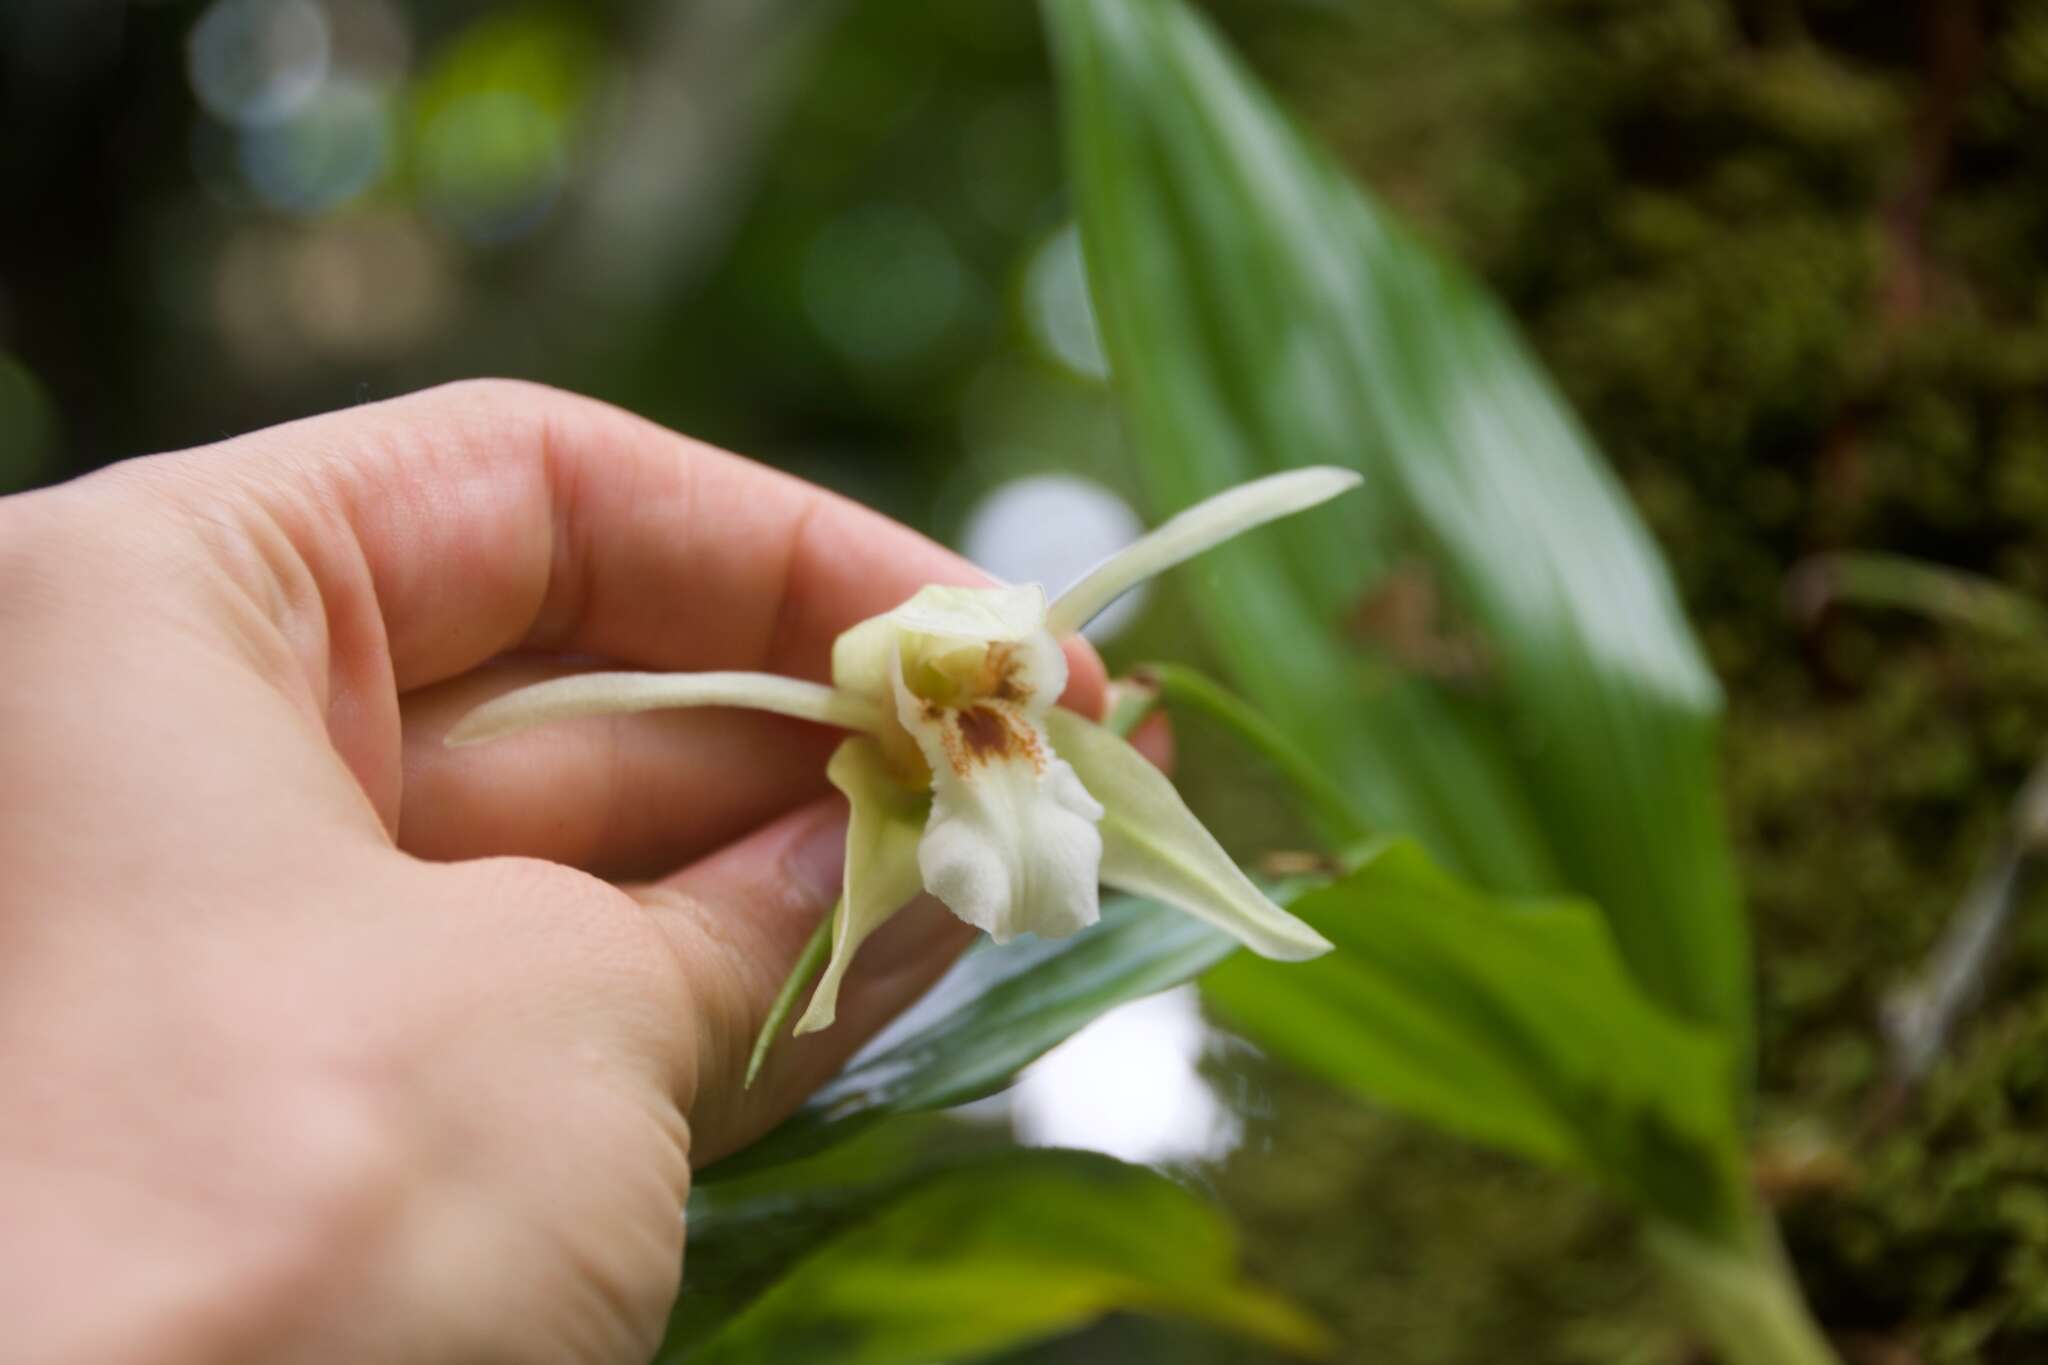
497	392
521	403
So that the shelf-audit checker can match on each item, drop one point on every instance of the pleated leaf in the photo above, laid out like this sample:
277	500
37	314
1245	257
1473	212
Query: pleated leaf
1262	312
995	1254
1510	1022
996	1012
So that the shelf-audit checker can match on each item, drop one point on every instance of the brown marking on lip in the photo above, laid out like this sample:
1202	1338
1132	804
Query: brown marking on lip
986	732
1002	668
989	734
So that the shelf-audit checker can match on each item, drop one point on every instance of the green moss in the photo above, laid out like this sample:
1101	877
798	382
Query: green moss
1418	1250
1939	1238
1693	208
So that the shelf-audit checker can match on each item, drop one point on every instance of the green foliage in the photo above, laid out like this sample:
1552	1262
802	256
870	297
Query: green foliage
1261	312
997	1011
1514	1024
746	1233
1691	208
990	1254
1450	1255
1697	209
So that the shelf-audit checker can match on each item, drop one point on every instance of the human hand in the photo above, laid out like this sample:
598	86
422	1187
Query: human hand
320	1041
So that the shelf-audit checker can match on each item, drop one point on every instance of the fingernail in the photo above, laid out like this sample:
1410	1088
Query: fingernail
816	861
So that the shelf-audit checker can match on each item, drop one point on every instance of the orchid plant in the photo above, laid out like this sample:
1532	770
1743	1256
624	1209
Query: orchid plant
964	778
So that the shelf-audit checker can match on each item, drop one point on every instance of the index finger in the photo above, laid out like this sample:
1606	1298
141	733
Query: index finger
492	515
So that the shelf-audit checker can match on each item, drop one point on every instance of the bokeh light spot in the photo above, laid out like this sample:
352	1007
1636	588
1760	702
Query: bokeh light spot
1009	164
372	40
325	155
250	301
1056	305
497	120
883	285
367	285
257	61
1130	1085
1051	529
491	165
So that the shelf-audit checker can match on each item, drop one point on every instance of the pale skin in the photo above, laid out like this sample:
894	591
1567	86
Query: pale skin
320	1041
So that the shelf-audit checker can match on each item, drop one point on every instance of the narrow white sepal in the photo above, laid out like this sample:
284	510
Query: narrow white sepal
1152	845
604	694
882	876
1206	524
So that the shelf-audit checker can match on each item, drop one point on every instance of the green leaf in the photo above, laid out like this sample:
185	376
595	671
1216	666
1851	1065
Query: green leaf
996	1012
884	825
1513	1023
746	1233
1262	312
1003	1252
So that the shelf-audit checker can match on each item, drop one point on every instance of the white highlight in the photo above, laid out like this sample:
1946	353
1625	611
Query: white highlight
884	285
1057	307
1051	529
258	61
326	154
1128	1085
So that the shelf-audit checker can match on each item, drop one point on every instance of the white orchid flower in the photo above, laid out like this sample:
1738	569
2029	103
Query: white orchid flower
964	779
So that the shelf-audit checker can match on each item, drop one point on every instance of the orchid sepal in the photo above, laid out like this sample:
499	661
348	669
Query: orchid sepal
1186	534
1153	846
885	825
603	694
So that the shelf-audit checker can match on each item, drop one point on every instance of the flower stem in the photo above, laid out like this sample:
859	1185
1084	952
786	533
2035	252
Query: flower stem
1745	1300
1326	803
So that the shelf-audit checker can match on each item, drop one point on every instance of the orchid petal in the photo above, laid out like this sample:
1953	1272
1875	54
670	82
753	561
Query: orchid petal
1011	846
1152	845
1206	524
933	617
603	694
882	876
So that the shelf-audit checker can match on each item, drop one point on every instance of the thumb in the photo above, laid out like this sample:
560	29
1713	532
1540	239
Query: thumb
739	919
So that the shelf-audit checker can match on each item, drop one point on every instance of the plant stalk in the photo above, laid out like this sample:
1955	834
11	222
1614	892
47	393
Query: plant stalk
1744	1300
1326	803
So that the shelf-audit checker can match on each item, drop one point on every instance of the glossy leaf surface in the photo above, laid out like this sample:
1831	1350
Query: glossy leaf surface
996	1012
998	1253
1262	312
1513	1023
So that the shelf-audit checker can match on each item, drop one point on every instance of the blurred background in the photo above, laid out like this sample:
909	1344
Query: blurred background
1784	256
